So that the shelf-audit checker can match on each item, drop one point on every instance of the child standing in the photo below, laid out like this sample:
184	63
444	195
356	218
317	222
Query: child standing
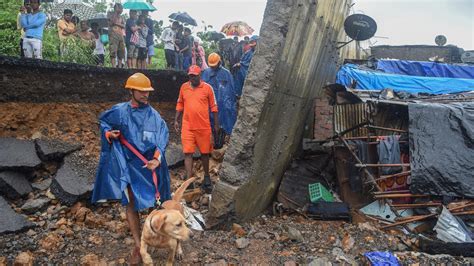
142	48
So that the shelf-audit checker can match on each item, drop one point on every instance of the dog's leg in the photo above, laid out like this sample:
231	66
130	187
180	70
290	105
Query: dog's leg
147	260
173	244
179	251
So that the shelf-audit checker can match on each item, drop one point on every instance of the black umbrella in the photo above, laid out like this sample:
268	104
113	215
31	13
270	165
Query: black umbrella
100	19
214	35
183	17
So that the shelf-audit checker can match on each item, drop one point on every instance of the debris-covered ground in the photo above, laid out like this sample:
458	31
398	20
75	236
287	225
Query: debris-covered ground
98	234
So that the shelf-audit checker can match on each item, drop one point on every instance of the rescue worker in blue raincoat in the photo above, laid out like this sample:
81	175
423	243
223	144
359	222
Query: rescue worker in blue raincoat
122	174
223	84
243	66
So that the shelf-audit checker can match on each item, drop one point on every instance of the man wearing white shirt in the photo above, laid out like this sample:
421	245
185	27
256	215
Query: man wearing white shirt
167	36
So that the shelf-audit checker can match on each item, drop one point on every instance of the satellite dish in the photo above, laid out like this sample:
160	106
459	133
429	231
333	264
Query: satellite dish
440	40
468	57
360	27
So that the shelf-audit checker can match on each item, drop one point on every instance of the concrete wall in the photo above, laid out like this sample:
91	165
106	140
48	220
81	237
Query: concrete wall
32	80
295	58
450	54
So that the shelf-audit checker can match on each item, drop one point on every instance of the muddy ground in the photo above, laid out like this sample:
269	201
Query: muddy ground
99	234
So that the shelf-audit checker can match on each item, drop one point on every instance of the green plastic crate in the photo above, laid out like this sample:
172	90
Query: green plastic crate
317	192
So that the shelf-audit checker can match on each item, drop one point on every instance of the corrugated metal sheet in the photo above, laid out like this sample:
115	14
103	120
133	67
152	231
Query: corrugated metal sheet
350	115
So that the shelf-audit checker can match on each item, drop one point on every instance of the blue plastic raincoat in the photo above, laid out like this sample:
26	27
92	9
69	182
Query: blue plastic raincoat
241	73
223	84
118	168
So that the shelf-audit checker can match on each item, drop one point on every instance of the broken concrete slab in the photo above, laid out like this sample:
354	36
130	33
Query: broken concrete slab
43	184
49	150
18	154
174	155
10	221
14	185
72	181
35	205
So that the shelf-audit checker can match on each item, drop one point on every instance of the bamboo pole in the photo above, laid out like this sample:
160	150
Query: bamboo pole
361	165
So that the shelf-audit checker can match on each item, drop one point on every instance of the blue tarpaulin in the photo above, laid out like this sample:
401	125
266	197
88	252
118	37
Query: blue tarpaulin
426	69
368	79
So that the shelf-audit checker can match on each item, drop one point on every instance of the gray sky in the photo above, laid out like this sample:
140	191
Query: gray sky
402	21
213	12
419	21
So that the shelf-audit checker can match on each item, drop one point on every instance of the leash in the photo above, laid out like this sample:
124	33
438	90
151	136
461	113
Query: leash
145	161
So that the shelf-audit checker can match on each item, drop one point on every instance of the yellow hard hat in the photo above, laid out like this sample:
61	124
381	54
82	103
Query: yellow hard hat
139	82
213	59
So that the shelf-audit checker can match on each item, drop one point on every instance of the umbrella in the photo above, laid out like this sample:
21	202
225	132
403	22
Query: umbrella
239	28
214	35
183	17
82	10
138	5
100	19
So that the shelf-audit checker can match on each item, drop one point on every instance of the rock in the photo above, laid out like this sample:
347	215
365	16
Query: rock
367	226
3	261
71	182
174	155
49	150
31	232
61	221
10	221
24	259
92	260
347	242
337	252
261	235
14	185
43	184
51	242
96	240
323	261
218	155
18	154
402	247
50	195
93	221
221	262
242	243
238	230
294	234
205	200
290	263
81	214
33	205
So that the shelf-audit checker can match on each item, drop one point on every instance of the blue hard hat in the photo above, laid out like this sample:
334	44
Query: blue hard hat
254	38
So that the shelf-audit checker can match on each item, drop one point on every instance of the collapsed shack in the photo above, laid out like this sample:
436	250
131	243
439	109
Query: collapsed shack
413	156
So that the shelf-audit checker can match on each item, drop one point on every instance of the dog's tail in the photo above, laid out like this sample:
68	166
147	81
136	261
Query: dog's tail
178	194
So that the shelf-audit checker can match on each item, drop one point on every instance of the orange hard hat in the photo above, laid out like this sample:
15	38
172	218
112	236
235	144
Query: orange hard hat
139	82
194	70
213	59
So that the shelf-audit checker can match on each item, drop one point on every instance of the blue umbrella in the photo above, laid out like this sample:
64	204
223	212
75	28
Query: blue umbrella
138	5
183	17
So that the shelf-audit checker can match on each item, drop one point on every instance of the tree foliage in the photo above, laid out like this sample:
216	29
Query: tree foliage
9	34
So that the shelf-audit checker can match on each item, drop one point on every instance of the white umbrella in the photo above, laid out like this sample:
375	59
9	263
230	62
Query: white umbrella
82	10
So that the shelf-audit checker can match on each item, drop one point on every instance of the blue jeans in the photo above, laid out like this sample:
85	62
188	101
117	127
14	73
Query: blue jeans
187	61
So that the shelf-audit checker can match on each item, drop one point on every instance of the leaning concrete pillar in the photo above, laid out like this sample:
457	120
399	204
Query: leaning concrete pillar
296	57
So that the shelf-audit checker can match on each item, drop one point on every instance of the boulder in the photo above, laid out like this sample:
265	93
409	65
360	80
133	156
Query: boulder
174	155
242	243
43	184
14	185
49	150
34	205
18	154
72	182
10	221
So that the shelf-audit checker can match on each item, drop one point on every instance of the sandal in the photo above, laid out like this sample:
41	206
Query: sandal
207	185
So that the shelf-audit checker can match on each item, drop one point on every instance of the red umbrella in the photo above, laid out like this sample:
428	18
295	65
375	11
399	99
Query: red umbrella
239	28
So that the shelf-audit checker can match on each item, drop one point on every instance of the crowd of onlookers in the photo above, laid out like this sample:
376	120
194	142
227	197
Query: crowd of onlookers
130	42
